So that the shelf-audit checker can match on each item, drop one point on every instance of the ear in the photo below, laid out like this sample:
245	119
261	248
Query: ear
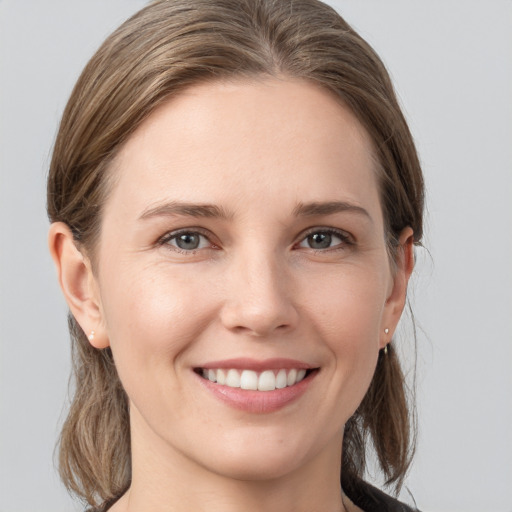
395	302
78	283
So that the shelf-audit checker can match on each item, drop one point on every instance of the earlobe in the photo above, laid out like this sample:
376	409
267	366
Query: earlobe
395	302
77	283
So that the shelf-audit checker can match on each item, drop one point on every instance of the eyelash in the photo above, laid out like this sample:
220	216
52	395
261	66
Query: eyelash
173	235
346	240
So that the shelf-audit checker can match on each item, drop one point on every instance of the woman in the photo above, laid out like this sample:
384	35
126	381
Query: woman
235	197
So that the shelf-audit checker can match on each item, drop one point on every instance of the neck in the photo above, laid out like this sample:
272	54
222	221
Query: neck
164	479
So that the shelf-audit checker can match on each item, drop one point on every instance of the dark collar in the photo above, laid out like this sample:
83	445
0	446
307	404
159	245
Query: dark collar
371	499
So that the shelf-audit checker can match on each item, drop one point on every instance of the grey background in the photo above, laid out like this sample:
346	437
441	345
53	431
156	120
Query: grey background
452	64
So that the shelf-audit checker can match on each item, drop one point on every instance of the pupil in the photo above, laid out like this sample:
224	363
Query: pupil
320	240
187	241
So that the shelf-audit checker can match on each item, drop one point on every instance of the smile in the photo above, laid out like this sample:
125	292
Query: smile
257	386
267	380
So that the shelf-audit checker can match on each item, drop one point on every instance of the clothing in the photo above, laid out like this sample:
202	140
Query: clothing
362	498
367	498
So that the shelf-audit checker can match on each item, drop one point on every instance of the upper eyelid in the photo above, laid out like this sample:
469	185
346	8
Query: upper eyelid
169	235
324	229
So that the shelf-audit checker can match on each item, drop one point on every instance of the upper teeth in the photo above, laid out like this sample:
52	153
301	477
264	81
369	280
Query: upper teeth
268	380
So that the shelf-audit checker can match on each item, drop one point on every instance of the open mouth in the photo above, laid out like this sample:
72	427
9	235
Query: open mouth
267	380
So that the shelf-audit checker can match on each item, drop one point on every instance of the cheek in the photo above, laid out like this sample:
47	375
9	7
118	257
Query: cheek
348	314
349	304
153	314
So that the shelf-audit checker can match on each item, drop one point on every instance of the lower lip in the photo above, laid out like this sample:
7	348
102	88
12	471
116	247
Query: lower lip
258	402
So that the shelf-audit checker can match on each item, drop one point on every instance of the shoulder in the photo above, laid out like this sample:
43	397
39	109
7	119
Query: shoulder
371	499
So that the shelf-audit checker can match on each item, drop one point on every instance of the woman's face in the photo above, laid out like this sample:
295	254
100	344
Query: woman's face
244	243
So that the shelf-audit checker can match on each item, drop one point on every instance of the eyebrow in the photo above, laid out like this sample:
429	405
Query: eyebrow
328	208
175	208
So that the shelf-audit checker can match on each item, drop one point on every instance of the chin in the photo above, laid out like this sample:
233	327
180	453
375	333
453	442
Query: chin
256	469
260	459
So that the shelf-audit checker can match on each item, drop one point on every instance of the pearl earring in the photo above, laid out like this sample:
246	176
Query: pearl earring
386	331
91	336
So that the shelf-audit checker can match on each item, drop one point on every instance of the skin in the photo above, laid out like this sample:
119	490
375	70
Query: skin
254	288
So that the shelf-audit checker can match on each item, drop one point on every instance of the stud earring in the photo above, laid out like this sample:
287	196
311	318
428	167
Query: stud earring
91	336
386	331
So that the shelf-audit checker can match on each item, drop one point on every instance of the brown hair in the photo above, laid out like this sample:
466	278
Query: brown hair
166	47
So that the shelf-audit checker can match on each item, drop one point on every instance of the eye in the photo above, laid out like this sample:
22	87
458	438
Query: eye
325	239
186	241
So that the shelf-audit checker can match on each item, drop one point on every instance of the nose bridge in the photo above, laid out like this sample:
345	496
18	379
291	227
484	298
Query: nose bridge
259	293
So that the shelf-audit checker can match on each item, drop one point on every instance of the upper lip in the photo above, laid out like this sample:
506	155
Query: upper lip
257	365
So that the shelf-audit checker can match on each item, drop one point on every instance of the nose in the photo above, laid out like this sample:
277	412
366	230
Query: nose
258	298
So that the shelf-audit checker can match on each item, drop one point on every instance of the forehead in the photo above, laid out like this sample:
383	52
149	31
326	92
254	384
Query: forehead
259	137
